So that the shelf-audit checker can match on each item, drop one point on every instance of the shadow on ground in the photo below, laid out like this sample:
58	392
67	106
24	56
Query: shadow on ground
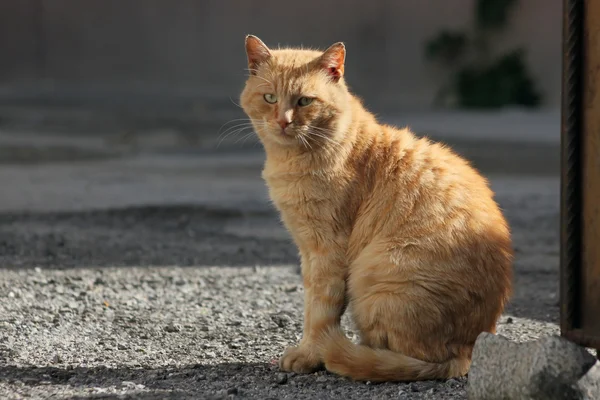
254	380
152	235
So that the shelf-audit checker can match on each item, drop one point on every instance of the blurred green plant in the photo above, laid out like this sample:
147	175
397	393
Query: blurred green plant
476	79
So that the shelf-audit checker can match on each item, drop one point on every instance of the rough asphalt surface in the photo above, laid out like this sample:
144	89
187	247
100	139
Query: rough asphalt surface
162	276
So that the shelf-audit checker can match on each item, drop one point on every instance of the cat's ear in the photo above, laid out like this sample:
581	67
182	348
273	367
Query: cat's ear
257	53
332	61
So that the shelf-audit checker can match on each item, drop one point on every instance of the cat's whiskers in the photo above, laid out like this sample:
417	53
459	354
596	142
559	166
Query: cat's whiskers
248	120
245	137
304	141
253	133
237	129
234	103
234	133
233	127
314	132
325	130
225	133
256	140
315	139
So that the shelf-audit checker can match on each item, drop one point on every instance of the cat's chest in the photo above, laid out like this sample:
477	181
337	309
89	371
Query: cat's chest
303	199
297	192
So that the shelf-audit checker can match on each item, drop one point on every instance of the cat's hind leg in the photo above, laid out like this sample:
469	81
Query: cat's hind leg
408	330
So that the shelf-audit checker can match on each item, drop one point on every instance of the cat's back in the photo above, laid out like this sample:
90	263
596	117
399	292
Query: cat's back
425	186
419	164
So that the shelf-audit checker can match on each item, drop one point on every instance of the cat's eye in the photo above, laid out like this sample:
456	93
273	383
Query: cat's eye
304	101
270	98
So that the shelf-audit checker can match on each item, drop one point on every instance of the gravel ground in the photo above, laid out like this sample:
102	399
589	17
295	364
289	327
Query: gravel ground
125	300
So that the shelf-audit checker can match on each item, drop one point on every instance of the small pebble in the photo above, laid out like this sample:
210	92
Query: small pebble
282	320
282	378
172	328
233	391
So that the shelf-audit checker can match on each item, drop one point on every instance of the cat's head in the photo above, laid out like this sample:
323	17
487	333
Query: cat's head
295	97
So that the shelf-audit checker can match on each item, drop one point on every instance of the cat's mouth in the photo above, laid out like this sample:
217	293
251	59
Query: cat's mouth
284	132
287	137
287	134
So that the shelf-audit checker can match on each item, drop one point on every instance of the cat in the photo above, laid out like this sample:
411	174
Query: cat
399	229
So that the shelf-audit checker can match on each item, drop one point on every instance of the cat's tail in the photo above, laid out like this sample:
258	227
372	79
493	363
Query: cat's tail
362	363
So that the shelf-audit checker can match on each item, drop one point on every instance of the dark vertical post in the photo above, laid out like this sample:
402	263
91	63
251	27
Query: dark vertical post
580	174
570	246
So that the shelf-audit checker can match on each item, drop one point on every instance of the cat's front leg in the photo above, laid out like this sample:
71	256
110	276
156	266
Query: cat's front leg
324	301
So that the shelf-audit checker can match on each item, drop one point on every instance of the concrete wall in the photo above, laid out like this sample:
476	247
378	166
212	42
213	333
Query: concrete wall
158	49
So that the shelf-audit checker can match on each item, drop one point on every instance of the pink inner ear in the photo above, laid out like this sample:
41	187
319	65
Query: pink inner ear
333	61
257	53
335	72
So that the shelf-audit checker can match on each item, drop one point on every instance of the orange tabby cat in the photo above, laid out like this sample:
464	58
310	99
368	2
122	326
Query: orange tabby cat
398	228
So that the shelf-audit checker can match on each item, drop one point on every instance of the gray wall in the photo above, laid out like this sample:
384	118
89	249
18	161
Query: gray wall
155	50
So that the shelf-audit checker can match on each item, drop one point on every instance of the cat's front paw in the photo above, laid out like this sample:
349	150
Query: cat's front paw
301	360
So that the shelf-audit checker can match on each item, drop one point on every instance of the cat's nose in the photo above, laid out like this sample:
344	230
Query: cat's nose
284	123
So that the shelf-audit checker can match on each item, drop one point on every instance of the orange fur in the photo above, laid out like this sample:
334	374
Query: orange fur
399	229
